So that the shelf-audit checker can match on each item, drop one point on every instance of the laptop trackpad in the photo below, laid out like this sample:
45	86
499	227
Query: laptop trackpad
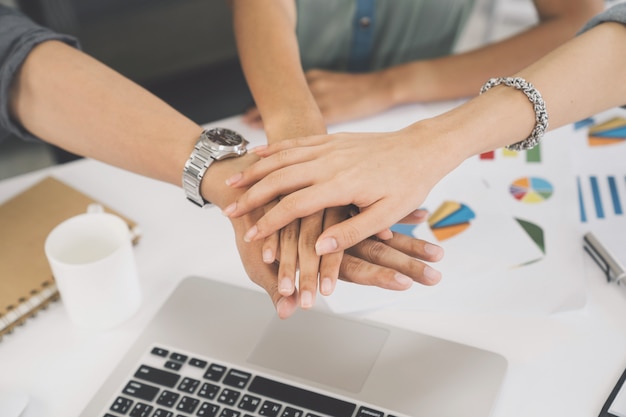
342	351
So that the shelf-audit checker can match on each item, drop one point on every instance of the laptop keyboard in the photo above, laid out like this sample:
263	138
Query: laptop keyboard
172	383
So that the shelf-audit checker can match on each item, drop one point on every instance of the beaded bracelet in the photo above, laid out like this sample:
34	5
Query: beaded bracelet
541	114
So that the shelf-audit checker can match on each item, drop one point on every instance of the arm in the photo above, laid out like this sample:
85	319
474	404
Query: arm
346	96
73	101
499	117
268	49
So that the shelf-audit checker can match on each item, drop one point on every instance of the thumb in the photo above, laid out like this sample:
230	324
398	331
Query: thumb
348	233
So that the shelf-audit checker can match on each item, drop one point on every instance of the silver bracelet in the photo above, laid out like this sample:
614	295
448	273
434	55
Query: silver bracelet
541	114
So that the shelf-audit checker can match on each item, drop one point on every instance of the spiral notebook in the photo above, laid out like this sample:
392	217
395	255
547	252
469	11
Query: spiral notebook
26	282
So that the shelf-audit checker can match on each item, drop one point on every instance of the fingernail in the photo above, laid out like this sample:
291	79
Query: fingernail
306	299
268	256
230	209
284	309
235	178
403	280
326	286
285	287
433	250
432	274
325	246
250	234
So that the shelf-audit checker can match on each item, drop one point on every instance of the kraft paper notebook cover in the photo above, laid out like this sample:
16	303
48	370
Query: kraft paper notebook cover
26	282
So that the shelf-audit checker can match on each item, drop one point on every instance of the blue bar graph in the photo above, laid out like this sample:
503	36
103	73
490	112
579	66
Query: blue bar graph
617	205
592	201
597	199
581	202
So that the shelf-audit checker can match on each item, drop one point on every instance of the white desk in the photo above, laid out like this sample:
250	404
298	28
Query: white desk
559	365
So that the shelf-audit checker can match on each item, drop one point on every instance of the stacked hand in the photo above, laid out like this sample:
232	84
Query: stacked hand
343	96
392	264
342	169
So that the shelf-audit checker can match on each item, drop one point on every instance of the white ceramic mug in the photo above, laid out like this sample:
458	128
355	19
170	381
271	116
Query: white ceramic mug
92	261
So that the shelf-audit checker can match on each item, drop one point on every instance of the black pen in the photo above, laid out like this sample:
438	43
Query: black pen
611	266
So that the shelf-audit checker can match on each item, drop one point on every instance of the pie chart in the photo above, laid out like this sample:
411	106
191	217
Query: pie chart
531	190
611	132
450	219
405	229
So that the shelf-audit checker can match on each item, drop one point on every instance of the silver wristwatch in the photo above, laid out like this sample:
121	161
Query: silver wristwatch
213	145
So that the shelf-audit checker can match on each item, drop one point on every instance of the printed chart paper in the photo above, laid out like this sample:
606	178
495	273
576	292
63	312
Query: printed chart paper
508	223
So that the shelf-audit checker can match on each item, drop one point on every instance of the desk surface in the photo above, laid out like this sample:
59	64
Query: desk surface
559	364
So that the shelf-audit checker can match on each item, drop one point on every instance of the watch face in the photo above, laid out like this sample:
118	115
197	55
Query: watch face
225	137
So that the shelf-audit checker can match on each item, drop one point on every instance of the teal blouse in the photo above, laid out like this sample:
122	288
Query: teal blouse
363	35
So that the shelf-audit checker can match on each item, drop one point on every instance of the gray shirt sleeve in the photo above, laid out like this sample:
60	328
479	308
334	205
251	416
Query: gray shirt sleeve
615	13
18	36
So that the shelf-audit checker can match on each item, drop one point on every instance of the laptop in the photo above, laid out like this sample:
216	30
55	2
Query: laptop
215	349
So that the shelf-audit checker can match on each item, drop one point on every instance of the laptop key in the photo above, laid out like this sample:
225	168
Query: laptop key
173	365
214	372
188	385
237	379
208	410
178	357
300	397
227	412
159	352
198	363
228	396
121	405
269	409
141	390
249	402
162	413
157	376
187	405
167	398
368	412
208	390
141	410
292	412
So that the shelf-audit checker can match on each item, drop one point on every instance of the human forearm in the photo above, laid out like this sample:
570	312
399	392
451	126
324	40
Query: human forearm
71	100
268	49
461	75
583	77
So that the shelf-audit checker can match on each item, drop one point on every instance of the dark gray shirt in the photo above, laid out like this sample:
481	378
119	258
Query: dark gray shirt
615	13
18	36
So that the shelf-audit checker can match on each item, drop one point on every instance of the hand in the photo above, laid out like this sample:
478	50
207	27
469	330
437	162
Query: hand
393	264
262	273
344	96
337	170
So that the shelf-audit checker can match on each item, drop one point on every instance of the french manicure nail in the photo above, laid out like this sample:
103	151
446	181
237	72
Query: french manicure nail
285	287
250	234
325	246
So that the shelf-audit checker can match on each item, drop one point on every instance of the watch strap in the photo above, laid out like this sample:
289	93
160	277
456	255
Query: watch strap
195	168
